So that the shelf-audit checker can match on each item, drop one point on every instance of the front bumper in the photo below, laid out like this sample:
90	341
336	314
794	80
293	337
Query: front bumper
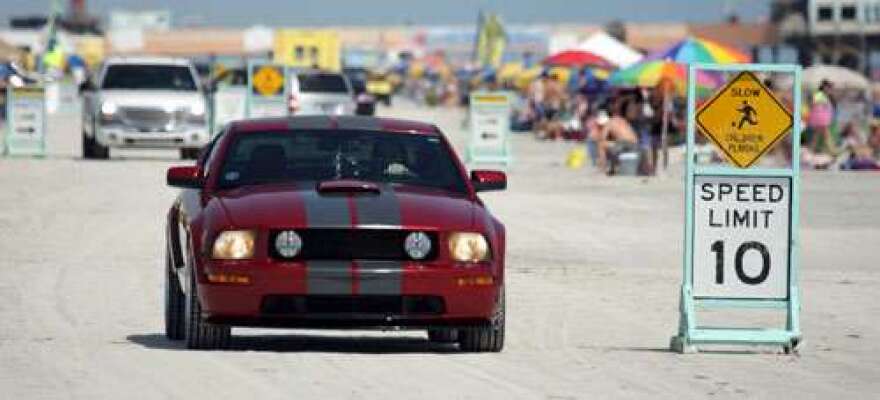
365	294
122	136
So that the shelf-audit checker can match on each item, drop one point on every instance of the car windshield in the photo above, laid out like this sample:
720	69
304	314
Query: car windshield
305	156
323	83
150	77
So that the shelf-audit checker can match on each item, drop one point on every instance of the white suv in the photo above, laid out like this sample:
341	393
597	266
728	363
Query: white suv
144	102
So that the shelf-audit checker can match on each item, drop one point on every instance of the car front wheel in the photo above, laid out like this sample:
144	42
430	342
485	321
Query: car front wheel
174	303
443	335
488	338
198	333
87	146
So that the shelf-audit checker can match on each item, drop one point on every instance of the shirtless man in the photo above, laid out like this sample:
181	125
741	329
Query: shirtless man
615	136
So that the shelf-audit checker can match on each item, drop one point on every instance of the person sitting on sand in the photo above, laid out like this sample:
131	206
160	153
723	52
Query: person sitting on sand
615	136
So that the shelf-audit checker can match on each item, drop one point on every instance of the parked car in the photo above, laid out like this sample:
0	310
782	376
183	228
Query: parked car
380	85
333	222
320	93
144	102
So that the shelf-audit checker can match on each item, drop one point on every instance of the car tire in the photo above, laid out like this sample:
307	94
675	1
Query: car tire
175	302
198	333
189	153
487	338
443	335
98	151
87	146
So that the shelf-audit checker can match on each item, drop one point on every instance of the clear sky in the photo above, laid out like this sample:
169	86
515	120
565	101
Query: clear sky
418	12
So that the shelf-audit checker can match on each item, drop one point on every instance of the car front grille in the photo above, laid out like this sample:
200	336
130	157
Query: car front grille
356	304
150	119
353	244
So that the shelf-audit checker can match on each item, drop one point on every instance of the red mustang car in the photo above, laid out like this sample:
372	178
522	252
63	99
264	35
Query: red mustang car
333	222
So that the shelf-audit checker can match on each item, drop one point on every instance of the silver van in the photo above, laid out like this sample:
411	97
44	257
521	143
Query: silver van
320	93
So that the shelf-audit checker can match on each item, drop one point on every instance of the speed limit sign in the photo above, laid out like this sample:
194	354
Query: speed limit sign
741	216
741	237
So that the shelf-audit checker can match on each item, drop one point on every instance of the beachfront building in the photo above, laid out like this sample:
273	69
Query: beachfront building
840	32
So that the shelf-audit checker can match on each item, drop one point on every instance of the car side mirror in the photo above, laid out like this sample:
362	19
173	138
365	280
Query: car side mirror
485	180
189	177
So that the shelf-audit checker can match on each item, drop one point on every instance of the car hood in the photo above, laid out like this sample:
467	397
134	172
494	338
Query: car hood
302	206
158	98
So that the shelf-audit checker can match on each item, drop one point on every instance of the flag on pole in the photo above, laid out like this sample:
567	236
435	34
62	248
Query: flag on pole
491	41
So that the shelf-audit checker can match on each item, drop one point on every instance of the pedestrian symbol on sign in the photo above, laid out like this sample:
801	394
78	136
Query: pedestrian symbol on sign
748	115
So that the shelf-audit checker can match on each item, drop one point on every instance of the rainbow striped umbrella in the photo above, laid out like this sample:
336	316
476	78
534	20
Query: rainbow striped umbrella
700	50
652	73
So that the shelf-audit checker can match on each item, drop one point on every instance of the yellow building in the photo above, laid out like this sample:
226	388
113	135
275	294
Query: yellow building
308	48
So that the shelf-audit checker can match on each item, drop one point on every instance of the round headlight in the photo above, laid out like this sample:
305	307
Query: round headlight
417	245
288	244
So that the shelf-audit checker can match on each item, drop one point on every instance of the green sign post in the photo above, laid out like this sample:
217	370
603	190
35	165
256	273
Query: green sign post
741	222
25	121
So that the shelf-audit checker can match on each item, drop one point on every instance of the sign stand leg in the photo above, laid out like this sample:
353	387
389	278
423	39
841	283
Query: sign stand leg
681	343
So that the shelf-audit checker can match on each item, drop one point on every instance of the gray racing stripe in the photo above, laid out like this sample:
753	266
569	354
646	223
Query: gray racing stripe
383	209
328	277
380	277
326	211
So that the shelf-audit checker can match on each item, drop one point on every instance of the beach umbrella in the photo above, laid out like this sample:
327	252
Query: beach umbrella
840	77
576	58
509	71
652	73
526	76
700	50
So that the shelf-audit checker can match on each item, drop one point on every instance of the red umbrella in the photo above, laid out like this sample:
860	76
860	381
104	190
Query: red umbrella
577	58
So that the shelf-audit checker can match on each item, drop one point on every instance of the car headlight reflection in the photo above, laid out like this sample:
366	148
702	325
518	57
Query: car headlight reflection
234	245
468	247
417	245
197	109
288	244
108	108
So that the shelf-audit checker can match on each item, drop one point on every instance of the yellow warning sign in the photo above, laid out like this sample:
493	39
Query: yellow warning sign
268	81
744	119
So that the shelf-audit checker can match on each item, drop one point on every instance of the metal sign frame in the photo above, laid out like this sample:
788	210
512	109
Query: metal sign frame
251	66
476	154
9	145
690	334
